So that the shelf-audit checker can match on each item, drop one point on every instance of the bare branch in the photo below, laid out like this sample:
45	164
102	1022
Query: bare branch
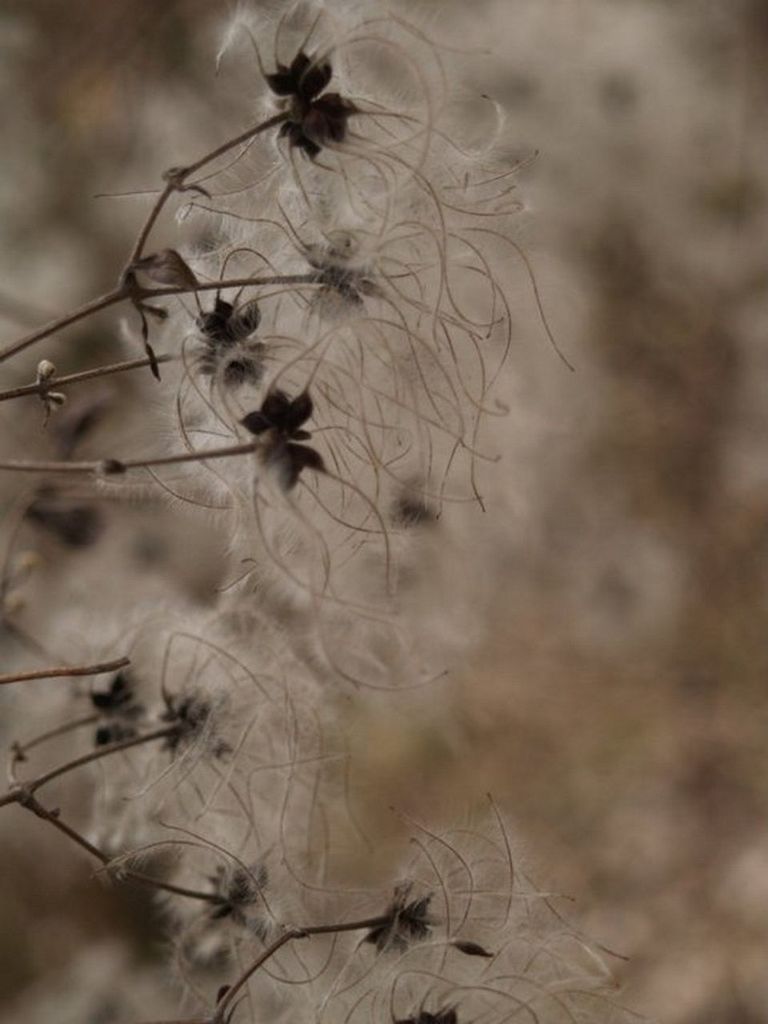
115	467
76	378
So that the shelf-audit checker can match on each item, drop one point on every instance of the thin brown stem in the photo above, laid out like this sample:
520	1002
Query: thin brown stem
289	936
177	890
230	282
149	223
76	378
176	180
129	290
20	750
97	755
199	456
21	792
31	803
65	671
114	467
94	306
239	140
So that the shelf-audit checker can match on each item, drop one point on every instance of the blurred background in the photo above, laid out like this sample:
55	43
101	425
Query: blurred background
616	703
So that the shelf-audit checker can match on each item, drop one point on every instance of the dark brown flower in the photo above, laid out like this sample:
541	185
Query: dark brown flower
407	921
280	419
314	119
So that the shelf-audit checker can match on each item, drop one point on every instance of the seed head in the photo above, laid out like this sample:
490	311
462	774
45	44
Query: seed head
407	922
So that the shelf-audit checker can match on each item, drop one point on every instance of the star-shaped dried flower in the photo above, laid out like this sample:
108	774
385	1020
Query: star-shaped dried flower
280	419
407	921
314	119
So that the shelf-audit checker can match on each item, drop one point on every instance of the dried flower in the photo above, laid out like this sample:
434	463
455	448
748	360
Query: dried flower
118	708
407	921
223	328
239	890
314	120
281	419
192	716
337	275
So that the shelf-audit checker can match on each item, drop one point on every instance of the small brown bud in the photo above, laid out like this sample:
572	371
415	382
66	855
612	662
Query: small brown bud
167	267
111	467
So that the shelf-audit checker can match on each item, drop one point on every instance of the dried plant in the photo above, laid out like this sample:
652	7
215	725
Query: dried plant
324	359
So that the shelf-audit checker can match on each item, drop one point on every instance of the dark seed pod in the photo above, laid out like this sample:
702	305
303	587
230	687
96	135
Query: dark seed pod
303	79
472	949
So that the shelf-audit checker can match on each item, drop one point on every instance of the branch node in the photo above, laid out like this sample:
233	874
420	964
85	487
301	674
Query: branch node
176	178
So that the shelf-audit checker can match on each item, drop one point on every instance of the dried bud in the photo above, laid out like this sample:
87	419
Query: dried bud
167	267
111	467
472	949
45	370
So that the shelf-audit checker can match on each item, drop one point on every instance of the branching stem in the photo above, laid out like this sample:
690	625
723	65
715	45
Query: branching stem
176	180
219	1016
31	803
21	792
128	291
